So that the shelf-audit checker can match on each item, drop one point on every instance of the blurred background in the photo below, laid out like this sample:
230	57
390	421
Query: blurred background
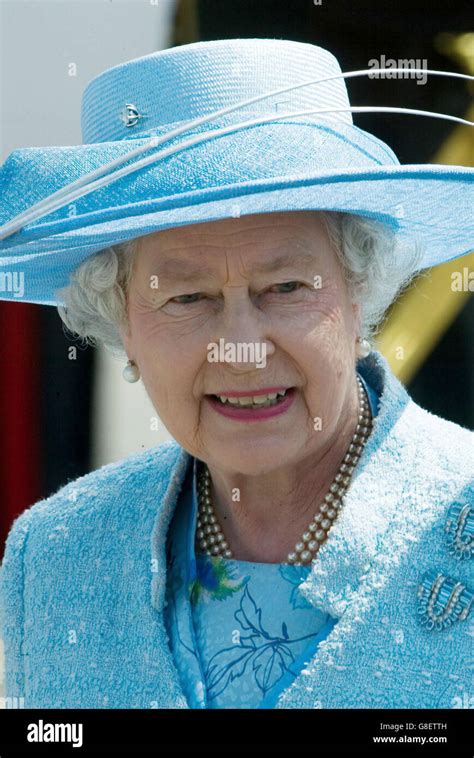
62	418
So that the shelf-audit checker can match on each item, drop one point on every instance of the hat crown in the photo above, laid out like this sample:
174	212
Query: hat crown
182	83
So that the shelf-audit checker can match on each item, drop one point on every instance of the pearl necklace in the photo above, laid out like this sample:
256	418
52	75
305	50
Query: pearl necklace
210	539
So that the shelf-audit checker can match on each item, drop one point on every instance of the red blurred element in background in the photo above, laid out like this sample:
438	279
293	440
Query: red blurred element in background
20	438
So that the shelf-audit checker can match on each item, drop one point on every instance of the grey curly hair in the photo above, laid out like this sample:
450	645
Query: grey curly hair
377	266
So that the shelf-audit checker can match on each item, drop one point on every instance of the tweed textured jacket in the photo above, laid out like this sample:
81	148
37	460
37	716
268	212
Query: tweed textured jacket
84	575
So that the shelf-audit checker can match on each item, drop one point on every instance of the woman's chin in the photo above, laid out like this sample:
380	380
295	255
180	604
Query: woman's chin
252	460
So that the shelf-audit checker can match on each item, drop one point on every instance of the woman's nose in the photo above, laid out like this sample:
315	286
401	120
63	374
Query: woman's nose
243	336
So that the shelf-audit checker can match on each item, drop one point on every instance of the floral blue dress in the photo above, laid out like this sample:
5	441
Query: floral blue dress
239	631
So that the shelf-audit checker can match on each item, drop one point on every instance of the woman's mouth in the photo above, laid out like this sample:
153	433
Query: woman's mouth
253	407
253	401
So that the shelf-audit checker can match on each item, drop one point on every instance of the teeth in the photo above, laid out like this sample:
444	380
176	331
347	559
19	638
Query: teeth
241	400
261	401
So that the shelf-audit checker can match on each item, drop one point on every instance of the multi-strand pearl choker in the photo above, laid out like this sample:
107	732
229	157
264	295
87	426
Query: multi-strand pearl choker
210	539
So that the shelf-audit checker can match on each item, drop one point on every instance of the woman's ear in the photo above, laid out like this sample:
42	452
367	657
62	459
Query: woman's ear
126	338
356	309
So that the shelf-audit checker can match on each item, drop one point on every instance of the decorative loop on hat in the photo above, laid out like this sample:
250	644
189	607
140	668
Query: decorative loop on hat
442	601
459	527
130	115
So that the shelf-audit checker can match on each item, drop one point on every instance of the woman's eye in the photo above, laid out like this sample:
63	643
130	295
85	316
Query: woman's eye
185	299
286	287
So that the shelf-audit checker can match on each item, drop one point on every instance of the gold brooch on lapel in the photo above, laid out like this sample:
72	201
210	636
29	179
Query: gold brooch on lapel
442	600
460	530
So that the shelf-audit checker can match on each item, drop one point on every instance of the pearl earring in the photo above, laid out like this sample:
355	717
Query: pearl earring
131	372
364	347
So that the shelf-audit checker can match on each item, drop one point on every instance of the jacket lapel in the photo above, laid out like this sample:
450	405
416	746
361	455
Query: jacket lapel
172	695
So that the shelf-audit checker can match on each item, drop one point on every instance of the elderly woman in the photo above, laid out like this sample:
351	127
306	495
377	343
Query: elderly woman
298	544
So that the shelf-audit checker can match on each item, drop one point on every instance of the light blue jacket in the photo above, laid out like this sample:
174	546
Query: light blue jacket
84	572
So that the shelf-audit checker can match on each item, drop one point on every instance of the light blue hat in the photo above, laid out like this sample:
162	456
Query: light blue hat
208	131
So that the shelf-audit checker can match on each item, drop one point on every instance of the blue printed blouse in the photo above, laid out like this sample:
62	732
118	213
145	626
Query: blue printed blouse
236	644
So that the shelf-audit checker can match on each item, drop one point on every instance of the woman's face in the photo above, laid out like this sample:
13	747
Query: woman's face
270	283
